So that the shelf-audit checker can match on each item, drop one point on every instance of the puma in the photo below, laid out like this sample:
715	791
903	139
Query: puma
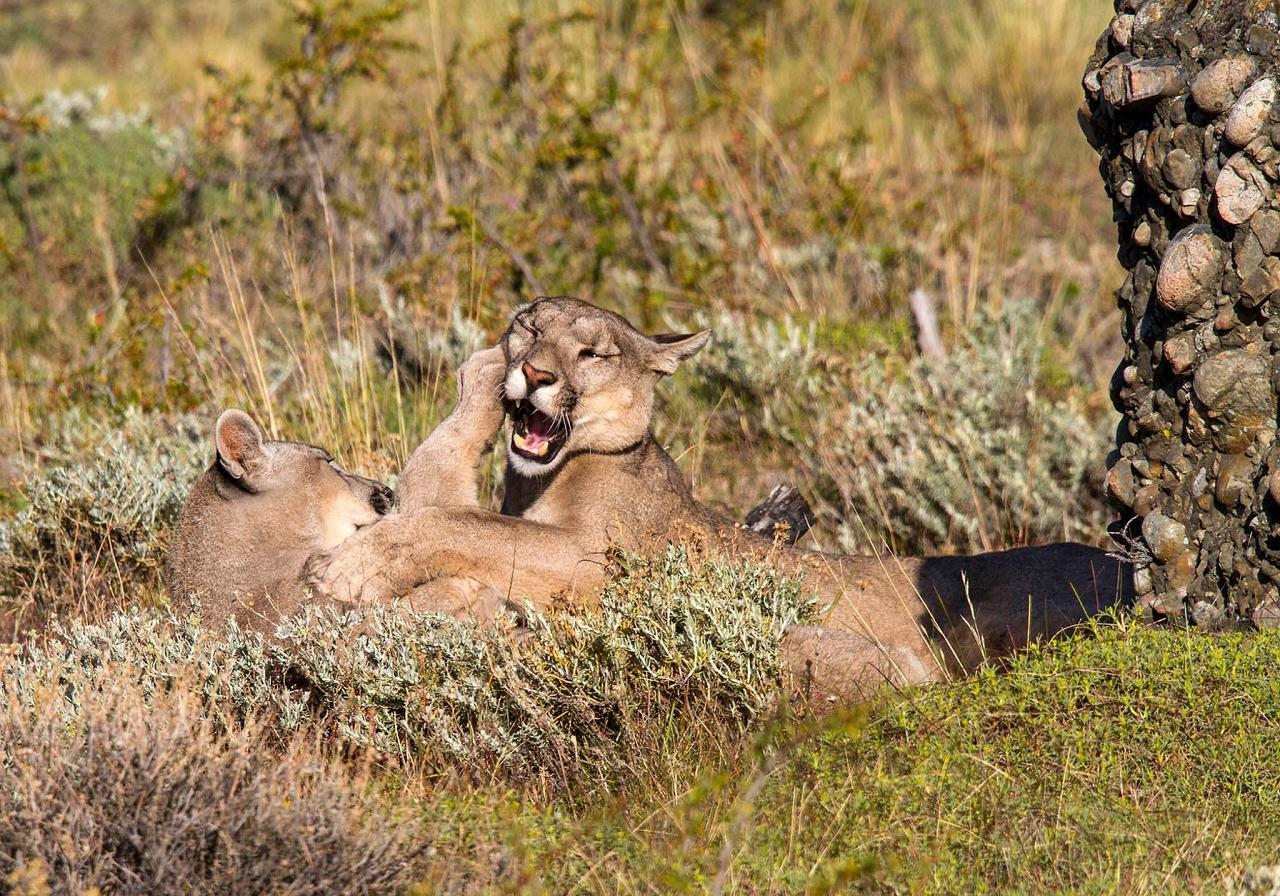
264	511
585	472
255	517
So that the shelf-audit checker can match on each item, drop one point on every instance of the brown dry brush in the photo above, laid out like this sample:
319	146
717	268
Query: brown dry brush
136	795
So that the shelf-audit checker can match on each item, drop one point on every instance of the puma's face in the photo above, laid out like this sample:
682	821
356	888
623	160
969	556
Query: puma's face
291	491
581	379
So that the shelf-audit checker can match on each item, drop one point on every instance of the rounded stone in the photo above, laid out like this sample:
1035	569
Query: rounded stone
1241	189
1236	381
1180	170
1206	615
1267	616
1191	271
1218	85
1248	116
1180	352
1120	482
1181	570
1266	230
1262	281
1144	499
1142	580
1166	537
1235	477
1122	29
1189	202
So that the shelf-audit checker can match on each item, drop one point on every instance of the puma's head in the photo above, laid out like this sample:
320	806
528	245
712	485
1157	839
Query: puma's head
259	511
581	379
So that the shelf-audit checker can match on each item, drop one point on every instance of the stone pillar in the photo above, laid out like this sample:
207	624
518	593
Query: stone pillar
1181	105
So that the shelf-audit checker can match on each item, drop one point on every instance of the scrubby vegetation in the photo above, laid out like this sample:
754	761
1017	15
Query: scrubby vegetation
553	705
316	210
1123	760
94	519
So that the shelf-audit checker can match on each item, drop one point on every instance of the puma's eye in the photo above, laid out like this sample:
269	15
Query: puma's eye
589	353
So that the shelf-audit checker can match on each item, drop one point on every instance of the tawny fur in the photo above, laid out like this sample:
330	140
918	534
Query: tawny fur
254	519
884	619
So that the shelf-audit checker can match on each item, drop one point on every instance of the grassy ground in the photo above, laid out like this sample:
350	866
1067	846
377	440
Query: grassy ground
1132	761
315	210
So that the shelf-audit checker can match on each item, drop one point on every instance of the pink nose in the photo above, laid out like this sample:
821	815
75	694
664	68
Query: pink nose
535	377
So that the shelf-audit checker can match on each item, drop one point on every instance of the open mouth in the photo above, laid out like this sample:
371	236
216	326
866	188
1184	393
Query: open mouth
535	436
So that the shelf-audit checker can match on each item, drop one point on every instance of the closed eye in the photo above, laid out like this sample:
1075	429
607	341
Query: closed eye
589	353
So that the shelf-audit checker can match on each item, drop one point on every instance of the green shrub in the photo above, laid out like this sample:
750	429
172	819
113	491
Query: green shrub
552	705
83	194
96	521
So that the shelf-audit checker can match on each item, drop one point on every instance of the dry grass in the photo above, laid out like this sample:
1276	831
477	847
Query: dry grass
133	795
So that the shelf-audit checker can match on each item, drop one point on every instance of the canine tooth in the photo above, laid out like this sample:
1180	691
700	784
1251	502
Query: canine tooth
542	449
519	439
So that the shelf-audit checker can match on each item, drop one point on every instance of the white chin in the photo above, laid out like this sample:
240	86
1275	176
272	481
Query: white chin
531	469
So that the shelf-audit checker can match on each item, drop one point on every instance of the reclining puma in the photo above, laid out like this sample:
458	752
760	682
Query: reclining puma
585	472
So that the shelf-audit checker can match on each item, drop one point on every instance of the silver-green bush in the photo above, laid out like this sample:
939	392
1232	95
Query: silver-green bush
969	452
98	512
554	703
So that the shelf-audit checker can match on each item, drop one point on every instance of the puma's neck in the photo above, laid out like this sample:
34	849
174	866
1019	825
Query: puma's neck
521	492
639	480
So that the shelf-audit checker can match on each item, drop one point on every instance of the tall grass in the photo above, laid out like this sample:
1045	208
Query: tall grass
801	162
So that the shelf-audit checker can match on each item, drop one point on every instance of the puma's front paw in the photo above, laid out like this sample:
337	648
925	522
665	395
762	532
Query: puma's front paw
363	571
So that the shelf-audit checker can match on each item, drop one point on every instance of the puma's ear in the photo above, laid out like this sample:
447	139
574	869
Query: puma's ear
670	349
239	441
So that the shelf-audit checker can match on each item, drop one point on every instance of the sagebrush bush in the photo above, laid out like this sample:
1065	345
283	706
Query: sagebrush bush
134	795
972	452
97	514
981	449
552	705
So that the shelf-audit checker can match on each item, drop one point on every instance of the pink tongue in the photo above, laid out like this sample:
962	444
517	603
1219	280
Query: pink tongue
538	429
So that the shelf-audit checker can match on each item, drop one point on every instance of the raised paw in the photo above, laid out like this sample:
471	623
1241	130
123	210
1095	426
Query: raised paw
480	386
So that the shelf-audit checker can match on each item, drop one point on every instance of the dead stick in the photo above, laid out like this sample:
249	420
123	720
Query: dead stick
927	336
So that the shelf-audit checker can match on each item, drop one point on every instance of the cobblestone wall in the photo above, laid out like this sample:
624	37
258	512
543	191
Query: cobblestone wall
1181	105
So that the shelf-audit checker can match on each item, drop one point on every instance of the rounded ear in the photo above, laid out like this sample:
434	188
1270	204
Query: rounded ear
239	443
669	349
